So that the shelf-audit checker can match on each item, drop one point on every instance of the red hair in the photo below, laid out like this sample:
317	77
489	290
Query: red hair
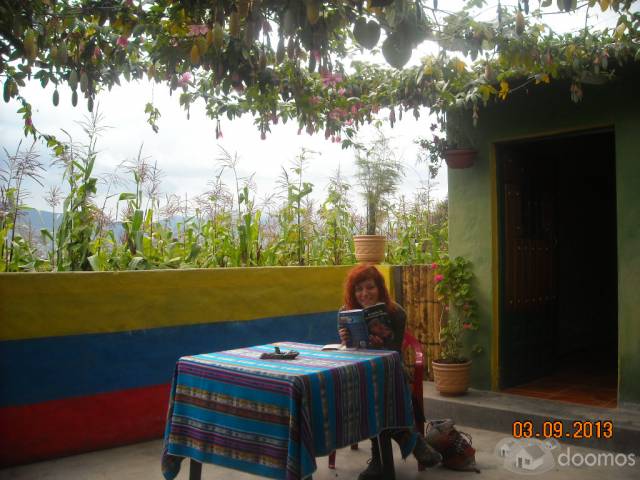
362	273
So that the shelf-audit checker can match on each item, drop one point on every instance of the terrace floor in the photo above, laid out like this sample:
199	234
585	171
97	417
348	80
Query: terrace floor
142	462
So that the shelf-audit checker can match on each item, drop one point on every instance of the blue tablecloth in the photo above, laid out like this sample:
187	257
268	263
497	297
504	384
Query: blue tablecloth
273	417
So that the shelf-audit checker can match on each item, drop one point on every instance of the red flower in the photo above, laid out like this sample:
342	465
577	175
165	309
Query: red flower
434	265
438	278
466	326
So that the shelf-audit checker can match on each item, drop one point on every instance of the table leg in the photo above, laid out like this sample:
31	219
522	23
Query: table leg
386	452
195	470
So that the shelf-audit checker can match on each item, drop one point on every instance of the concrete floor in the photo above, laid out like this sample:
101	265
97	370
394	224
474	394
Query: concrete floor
142	462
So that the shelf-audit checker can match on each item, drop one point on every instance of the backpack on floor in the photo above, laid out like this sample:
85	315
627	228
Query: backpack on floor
454	446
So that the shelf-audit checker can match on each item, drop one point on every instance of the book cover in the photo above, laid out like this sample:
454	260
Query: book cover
361	323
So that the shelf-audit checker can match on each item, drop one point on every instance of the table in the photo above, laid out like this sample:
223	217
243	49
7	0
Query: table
273	417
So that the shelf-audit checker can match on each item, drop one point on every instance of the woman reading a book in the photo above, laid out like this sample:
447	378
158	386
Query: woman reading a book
365	287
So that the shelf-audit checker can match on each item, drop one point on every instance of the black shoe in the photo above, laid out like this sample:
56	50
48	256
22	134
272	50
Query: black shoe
425	454
373	470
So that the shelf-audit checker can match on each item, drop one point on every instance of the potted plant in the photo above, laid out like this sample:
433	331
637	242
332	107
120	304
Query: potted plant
456	148
453	290
378	173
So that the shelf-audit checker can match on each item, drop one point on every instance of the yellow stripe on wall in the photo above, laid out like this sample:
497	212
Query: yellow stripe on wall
36	305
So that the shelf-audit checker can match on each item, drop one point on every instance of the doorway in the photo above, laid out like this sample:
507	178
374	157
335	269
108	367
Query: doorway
558	268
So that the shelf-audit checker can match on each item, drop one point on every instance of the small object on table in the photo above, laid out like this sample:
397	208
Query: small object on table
279	355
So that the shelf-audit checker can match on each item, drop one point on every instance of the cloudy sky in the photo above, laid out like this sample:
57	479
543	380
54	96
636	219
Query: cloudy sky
186	150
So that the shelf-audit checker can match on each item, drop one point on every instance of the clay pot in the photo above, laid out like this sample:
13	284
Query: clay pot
369	248
451	379
460	157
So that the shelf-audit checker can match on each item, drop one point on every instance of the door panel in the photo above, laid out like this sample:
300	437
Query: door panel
527	251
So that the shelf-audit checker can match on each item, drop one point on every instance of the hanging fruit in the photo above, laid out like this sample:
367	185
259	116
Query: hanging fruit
243	8
262	61
84	82
63	56
280	51
519	23
31	44
56	98
73	79
195	54
366	33
218	36
396	49
234	24
74	98
7	90
313	11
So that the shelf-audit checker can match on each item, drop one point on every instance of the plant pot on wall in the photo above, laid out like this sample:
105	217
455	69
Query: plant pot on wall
451	378
459	158
369	248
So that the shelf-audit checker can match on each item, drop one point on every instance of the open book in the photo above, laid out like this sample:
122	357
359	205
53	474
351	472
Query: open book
364	321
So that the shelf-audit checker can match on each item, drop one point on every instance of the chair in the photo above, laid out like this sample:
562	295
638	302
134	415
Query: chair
408	341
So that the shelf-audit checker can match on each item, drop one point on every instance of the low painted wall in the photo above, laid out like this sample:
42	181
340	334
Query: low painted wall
86	358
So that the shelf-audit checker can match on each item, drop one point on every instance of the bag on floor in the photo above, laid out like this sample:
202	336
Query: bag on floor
454	446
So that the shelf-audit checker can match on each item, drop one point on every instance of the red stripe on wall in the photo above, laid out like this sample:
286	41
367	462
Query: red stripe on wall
46	430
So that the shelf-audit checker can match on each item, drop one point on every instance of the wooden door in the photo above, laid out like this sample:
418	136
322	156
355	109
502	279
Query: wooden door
528	250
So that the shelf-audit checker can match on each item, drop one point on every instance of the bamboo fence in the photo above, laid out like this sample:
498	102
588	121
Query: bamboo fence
424	313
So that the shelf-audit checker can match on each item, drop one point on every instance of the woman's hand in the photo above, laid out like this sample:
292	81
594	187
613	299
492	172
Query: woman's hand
375	341
344	335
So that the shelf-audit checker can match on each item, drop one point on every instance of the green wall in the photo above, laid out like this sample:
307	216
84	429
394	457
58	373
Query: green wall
541	111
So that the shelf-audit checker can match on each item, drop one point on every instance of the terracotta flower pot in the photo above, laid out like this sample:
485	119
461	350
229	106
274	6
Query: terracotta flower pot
460	158
451	379
369	248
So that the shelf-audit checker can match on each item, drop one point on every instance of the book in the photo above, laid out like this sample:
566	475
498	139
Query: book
362	322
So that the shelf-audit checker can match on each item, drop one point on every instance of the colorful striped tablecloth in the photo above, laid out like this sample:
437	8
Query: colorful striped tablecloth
273	417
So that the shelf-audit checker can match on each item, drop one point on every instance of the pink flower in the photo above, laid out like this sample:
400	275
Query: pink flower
122	41
438	278
184	79
330	79
28	122
97	52
434	266
341	91
466	326
197	30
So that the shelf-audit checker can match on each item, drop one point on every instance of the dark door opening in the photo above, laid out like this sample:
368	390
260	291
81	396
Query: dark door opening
558	268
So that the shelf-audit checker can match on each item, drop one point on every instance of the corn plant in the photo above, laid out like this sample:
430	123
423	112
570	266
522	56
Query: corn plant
295	208
15	251
338	223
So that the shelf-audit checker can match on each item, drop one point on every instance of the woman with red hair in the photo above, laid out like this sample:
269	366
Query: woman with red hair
363	288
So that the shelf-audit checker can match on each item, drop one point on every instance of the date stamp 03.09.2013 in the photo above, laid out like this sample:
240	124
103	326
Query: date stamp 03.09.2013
563	430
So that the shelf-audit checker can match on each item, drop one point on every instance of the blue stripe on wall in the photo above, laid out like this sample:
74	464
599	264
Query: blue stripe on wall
43	369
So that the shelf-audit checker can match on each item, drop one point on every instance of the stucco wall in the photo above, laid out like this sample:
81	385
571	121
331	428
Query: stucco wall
540	111
86	359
